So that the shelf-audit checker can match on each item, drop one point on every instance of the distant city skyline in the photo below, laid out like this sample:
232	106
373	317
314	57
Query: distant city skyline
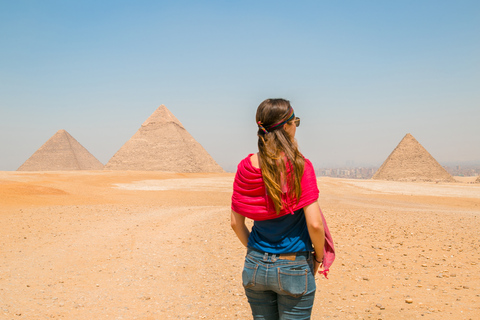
360	75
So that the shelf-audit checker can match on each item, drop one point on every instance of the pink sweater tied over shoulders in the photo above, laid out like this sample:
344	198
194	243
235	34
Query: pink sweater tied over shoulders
250	199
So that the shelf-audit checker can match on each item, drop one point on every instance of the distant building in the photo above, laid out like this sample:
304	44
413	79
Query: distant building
347	172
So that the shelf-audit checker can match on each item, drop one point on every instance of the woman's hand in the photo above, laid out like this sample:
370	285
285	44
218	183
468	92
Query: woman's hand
317	264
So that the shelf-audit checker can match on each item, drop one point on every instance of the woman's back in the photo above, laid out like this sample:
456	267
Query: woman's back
285	234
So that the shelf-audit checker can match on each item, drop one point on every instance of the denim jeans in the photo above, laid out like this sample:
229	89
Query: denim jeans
279	288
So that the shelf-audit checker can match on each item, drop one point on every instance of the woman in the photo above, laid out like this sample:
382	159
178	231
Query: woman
277	188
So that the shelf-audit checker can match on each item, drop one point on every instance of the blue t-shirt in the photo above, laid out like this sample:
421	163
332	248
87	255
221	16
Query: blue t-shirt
286	234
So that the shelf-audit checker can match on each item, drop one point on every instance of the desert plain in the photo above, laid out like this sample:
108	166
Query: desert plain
151	245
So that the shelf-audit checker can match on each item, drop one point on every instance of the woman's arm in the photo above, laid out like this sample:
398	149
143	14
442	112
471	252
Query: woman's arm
315	230
237	222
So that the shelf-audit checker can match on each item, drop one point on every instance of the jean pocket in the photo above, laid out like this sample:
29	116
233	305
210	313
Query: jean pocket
293	280
248	275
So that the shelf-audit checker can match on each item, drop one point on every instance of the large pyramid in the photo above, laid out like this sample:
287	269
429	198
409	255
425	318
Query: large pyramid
163	144
478	180
411	162
61	152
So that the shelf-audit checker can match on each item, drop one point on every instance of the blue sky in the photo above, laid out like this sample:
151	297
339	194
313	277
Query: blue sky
360	74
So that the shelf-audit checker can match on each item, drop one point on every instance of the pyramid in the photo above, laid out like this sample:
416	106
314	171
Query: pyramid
60	153
163	144
409	161
478	180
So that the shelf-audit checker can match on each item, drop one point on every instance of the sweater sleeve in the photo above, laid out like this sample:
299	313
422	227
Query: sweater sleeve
309	183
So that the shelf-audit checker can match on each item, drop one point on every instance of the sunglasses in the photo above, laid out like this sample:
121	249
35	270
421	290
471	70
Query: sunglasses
296	121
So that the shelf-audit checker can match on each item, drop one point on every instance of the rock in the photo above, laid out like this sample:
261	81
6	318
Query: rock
409	300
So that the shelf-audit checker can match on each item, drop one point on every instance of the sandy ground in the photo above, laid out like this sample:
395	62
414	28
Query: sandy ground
142	245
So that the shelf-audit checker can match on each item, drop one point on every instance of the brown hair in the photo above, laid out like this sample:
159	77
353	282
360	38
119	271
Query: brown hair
277	148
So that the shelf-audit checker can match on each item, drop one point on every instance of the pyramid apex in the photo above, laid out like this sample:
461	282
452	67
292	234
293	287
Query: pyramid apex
161	115
409	136
163	108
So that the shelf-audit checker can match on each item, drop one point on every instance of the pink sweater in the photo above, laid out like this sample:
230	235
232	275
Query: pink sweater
250	199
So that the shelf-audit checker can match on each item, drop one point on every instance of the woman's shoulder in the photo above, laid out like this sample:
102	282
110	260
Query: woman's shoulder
249	163
308	170
308	162
254	160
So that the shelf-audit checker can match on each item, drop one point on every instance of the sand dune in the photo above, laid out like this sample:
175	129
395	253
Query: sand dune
150	245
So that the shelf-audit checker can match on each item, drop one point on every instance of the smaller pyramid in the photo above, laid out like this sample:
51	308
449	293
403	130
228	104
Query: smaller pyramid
61	153
410	161
163	144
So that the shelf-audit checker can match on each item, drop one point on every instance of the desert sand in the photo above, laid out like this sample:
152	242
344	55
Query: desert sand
149	245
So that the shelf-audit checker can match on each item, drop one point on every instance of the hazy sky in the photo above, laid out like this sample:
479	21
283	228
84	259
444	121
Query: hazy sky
360	74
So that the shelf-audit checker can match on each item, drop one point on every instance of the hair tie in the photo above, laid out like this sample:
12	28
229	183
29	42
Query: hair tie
262	127
289	117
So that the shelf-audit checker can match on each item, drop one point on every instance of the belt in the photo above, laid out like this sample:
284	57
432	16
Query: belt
285	256
288	256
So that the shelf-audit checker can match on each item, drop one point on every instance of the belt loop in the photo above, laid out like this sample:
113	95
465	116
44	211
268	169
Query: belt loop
265	256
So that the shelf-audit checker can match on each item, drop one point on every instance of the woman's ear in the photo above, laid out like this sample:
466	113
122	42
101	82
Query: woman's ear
290	128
